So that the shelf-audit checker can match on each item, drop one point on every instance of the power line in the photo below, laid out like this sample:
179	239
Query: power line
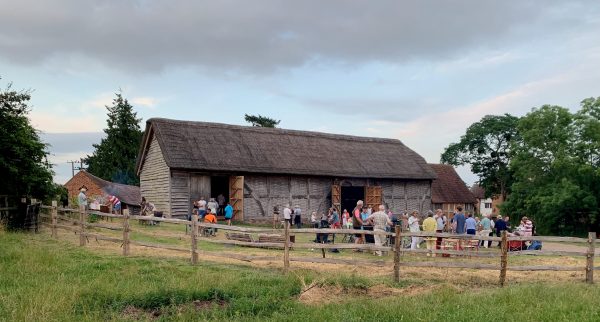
74	167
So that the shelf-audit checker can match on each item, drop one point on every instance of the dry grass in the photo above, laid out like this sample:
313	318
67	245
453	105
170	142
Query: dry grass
467	277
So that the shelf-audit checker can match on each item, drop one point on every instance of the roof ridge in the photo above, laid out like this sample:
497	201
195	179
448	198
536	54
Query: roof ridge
258	129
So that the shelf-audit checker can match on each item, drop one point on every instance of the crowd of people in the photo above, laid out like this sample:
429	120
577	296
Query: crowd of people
462	223
208	211
360	218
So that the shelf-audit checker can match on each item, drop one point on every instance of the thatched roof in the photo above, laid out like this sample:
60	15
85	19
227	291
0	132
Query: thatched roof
449	187
231	148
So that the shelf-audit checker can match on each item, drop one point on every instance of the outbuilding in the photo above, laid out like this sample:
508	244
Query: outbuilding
98	188
449	191
259	169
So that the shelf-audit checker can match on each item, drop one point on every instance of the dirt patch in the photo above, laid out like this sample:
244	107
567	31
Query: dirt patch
135	313
324	294
208	304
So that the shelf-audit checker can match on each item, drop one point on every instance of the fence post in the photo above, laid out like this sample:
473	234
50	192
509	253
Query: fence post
82	219
194	239
589	267
397	248
125	232
53	215
503	258
286	248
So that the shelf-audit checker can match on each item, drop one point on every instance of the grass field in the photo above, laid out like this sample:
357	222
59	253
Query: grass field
42	279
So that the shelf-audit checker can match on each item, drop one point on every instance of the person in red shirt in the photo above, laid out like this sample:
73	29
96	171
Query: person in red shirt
357	222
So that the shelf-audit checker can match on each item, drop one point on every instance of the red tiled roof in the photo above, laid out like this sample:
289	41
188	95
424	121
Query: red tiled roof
478	191
449	187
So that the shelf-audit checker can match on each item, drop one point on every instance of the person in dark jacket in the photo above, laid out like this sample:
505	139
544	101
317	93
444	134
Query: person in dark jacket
500	225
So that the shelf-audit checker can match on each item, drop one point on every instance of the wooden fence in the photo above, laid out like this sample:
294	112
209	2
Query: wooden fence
79	225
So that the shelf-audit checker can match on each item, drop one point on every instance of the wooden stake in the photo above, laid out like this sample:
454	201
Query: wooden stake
82	219
54	218
126	231
286	248
503	258
397	248
589	267
194	239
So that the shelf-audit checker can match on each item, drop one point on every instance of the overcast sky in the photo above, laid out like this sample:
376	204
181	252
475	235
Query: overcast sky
419	71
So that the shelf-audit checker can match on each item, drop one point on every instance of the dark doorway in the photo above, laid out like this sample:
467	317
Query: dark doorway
350	195
219	185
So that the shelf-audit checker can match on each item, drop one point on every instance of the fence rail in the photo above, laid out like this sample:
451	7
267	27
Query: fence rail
76	220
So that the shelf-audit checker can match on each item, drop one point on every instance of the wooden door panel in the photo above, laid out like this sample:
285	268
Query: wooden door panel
236	196
373	196
336	197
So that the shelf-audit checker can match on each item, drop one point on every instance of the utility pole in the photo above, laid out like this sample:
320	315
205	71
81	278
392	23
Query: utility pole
74	167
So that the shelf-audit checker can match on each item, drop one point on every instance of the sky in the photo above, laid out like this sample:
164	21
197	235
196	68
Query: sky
418	71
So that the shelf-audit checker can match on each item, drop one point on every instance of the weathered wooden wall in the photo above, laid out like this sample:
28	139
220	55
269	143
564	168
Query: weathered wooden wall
406	195
179	193
155	178
262	193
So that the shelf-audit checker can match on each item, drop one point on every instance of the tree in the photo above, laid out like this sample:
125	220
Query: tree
261	121
556	169
115	157
24	167
486	147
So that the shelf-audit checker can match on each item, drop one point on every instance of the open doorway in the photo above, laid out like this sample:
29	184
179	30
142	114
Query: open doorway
350	195
219	185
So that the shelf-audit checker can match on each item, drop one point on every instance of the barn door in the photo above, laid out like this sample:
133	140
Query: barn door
336	197
236	196
373	197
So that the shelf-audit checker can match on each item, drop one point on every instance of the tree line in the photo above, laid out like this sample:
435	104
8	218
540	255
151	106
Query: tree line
545	164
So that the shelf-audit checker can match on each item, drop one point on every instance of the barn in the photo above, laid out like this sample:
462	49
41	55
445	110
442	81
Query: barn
258	169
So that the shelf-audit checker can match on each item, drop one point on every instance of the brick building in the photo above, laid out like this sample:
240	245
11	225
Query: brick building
96	187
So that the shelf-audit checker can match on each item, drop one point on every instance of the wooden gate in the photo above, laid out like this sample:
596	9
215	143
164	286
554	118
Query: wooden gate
336	197
373	197
236	196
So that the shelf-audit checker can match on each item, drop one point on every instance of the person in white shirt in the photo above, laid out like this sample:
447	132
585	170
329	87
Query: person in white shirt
441	222
201	207
413	226
380	222
287	215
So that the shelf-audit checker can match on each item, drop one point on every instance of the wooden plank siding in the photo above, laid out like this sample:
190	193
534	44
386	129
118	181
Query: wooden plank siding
180	194
154	178
263	192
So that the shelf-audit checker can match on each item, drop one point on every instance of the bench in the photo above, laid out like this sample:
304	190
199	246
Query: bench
243	237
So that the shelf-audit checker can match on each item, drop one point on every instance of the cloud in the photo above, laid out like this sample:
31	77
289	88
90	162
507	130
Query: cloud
150	36
64	123
145	101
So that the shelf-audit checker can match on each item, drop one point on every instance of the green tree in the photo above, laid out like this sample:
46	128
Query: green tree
487	148
114	158
261	121
24	167
556	169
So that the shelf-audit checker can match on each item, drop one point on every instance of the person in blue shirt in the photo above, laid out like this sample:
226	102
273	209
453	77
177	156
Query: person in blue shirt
228	213
459	221
470	225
